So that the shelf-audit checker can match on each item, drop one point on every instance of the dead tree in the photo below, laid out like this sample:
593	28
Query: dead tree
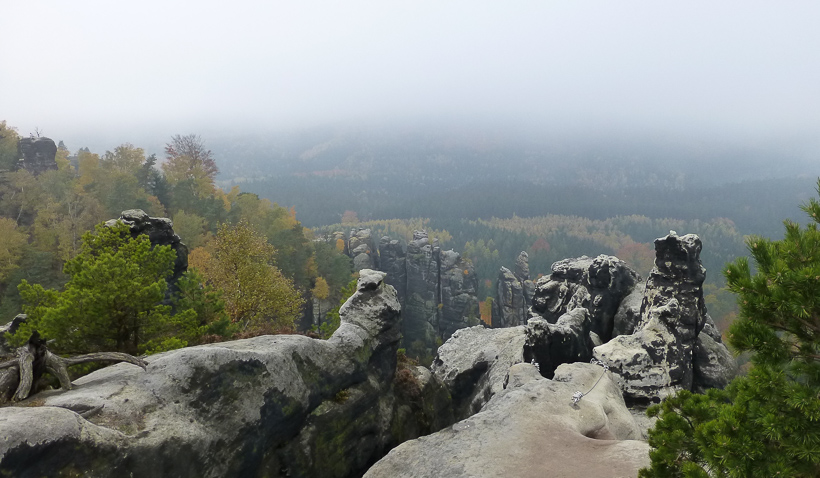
18	376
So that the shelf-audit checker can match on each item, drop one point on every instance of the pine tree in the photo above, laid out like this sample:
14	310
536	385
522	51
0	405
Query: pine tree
767	423
112	301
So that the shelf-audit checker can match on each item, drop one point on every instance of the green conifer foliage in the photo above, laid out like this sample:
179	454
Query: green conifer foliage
766	423
112	301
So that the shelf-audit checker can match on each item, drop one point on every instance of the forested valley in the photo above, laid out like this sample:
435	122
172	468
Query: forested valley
489	210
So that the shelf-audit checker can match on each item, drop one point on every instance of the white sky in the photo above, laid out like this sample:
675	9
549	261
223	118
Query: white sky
745	68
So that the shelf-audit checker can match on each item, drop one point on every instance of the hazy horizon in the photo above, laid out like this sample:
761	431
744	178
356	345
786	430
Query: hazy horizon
733	71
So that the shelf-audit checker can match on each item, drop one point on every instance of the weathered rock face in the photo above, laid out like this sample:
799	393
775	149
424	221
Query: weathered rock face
597	285
160	231
437	289
566	341
37	154
421	309
713	364
392	260
509	306
362	250
629	312
659	357
531	430
473	365
283	405
514	293
457	288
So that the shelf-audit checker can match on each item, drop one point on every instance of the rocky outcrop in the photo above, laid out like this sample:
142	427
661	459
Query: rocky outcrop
629	312
458	286
392	259
566	341
530	429
473	365
160	231
437	289
660	356
362	250
514	292
598	285
284	405
421	308
509	306
37	155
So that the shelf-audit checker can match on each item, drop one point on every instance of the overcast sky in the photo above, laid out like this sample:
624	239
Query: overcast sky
740	68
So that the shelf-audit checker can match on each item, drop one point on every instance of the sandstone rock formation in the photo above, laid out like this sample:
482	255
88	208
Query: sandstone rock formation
473	365
362	250
284	405
392	260
660	356
598	285
566	341
458	287
531	430
437	289
514	292
421	306
509	306
37	154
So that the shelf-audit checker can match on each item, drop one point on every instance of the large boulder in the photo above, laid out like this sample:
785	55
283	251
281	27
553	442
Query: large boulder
531	429
284	405
597	284
361	248
37	155
566	341
473	365
674	335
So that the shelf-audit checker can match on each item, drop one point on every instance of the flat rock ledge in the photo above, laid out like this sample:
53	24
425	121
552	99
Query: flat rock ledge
531	429
284	405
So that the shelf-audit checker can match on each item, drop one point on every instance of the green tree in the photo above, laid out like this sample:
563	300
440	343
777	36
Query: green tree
211	322
240	262
8	147
187	159
332	319
767	423
112	302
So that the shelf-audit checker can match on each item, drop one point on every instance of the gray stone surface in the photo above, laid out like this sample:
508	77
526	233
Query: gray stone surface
421	328
531	430
458	286
674	331
37	155
473	364
566	341
629	312
283	405
392	260
509	306
597	284
714	366
362	250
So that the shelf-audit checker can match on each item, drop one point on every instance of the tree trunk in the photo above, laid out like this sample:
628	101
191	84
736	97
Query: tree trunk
18	376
